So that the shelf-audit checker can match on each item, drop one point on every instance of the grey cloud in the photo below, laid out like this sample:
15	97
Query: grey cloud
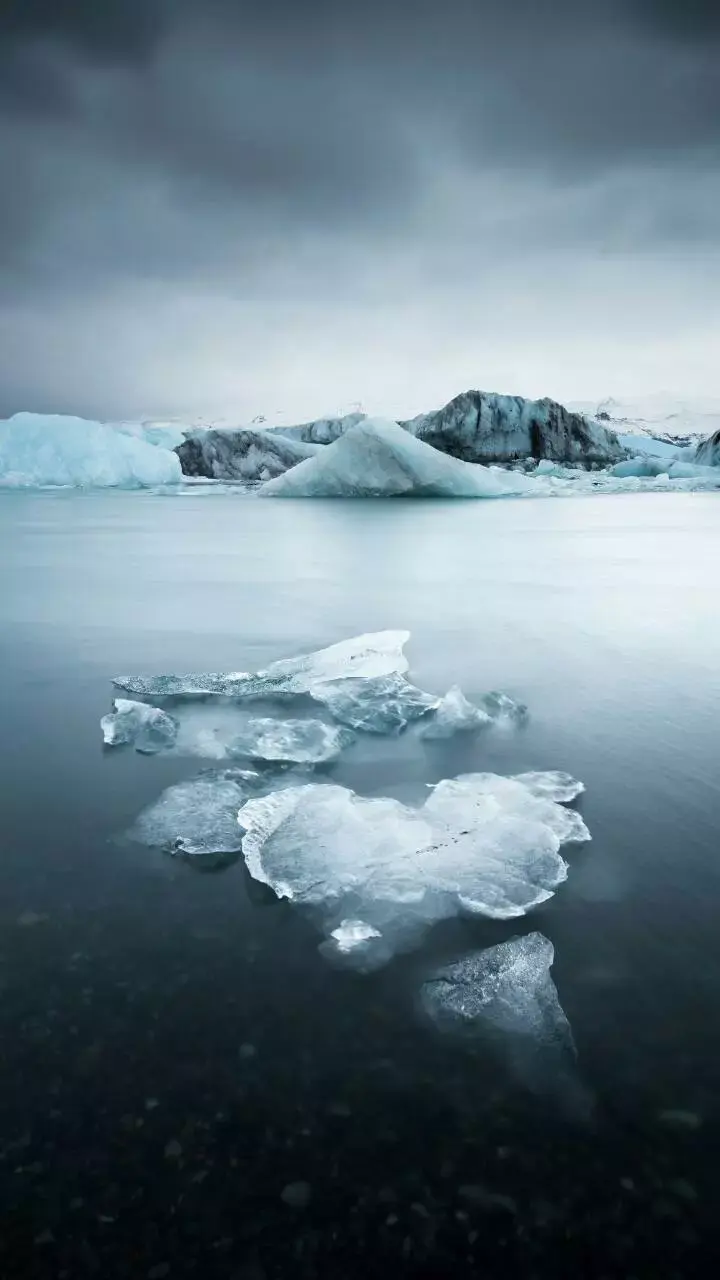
296	150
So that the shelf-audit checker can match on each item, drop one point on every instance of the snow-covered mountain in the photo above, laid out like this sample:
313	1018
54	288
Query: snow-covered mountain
677	421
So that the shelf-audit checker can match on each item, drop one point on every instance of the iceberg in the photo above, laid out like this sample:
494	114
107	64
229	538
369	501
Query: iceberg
148	728
47	450
707	453
244	454
454	714
377	458
480	843
197	819
290	742
483	426
368	656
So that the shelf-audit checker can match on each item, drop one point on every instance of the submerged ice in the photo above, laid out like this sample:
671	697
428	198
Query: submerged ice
148	728
480	843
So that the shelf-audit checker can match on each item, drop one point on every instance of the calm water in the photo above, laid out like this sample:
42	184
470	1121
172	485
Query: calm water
175	1051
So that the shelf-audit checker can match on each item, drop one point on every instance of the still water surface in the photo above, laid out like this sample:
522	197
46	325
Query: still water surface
175	1051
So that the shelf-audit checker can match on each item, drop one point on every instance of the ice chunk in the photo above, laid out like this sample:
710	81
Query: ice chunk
507	993
454	714
552	785
381	704
197	819
480	842
290	741
351	934
148	728
373	655
39	450
507	987
503	709
377	458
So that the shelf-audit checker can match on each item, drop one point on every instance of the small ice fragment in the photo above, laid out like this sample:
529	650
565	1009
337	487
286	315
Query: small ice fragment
289	741
381	704
552	785
454	714
148	728
503	709
353	933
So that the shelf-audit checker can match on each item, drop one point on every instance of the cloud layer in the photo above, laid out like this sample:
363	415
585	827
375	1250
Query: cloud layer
213	206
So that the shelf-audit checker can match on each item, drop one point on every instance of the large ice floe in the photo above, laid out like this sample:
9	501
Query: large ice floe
38	450
480	843
378	458
371	655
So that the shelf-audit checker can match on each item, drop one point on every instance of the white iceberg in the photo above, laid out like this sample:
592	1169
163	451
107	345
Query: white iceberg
197	819
369	656
290	741
148	728
378	458
480	843
454	714
40	450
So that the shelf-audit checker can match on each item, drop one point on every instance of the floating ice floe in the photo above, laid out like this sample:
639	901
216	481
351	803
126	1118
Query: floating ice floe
378	458
148	728
502	709
197	819
480	843
370	656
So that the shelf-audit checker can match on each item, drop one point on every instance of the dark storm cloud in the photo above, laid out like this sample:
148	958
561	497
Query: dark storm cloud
282	148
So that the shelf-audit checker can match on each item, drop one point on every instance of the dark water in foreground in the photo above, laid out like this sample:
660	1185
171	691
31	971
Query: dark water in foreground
175	1051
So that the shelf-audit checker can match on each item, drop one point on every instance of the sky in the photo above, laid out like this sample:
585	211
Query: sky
213	209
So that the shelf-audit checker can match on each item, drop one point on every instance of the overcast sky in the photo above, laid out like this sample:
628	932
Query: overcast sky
226	207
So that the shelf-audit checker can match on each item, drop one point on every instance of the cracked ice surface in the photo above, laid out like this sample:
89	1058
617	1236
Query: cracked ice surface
480	843
148	728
